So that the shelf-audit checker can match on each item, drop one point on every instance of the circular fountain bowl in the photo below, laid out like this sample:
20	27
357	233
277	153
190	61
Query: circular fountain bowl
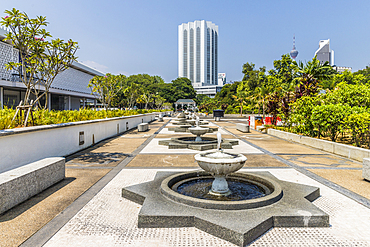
198	130
220	163
247	191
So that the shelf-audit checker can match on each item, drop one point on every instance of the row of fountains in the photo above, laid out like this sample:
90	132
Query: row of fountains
237	207
217	163
188	122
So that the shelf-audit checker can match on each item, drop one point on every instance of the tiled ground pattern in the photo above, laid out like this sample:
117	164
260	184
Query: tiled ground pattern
110	220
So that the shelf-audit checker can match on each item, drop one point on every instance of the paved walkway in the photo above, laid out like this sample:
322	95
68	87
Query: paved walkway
86	209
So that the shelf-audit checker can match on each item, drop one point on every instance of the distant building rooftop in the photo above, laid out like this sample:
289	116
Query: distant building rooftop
184	101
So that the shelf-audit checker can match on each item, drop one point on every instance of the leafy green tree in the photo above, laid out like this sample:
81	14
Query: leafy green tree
132	92
365	72
40	59
349	78
252	77
225	96
201	99
107	87
352	95
301	115
184	89
159	101
260	97
146	97
358	122
285	69
167	91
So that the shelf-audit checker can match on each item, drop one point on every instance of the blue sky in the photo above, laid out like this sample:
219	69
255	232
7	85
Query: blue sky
140	36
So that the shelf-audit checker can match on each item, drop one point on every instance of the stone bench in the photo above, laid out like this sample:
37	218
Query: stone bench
143	127
20	184
366	169
242	127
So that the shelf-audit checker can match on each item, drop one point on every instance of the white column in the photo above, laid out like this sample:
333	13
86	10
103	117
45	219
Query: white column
2	97
84	102
49	101
69	103
95	104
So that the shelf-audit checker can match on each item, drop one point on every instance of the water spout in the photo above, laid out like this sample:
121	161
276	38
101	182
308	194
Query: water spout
219	140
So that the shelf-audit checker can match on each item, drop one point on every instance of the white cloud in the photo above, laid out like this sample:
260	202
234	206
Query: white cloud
96	66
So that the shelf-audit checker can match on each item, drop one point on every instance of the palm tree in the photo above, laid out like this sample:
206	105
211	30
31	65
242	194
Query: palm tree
241	95
311	75
316	69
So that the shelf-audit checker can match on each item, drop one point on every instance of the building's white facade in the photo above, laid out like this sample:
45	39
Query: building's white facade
210	90
198	52
68	91
341	69
324	53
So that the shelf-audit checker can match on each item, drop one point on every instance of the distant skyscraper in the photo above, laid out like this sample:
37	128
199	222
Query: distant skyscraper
198	53
221	79
324	53
294	52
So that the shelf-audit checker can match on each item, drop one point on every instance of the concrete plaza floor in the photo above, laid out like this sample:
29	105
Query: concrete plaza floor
86	209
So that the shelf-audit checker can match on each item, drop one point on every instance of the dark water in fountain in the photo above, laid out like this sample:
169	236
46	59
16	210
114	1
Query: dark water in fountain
191	140
240	190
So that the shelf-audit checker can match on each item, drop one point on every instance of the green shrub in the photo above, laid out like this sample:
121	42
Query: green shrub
301	115
359	125
330	119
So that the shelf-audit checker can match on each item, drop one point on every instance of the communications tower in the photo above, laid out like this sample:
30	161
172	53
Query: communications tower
294	52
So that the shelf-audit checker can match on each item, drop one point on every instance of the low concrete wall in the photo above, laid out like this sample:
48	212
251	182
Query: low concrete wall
21	183
22	146
348	151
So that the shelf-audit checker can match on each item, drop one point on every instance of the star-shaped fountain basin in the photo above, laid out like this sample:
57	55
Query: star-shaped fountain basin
290	206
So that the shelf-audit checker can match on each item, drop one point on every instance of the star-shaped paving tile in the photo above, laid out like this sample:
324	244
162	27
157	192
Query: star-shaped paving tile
240	227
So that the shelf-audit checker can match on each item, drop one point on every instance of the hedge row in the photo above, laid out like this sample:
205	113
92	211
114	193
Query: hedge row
44	117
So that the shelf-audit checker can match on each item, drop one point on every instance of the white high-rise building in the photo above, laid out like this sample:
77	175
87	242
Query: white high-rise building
324	53
198	51
221	79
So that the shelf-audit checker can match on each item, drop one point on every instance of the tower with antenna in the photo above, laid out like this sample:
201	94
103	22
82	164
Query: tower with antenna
294	52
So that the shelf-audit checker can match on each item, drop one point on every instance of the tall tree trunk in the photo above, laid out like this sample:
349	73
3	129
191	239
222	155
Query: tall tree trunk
263	111
241	108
